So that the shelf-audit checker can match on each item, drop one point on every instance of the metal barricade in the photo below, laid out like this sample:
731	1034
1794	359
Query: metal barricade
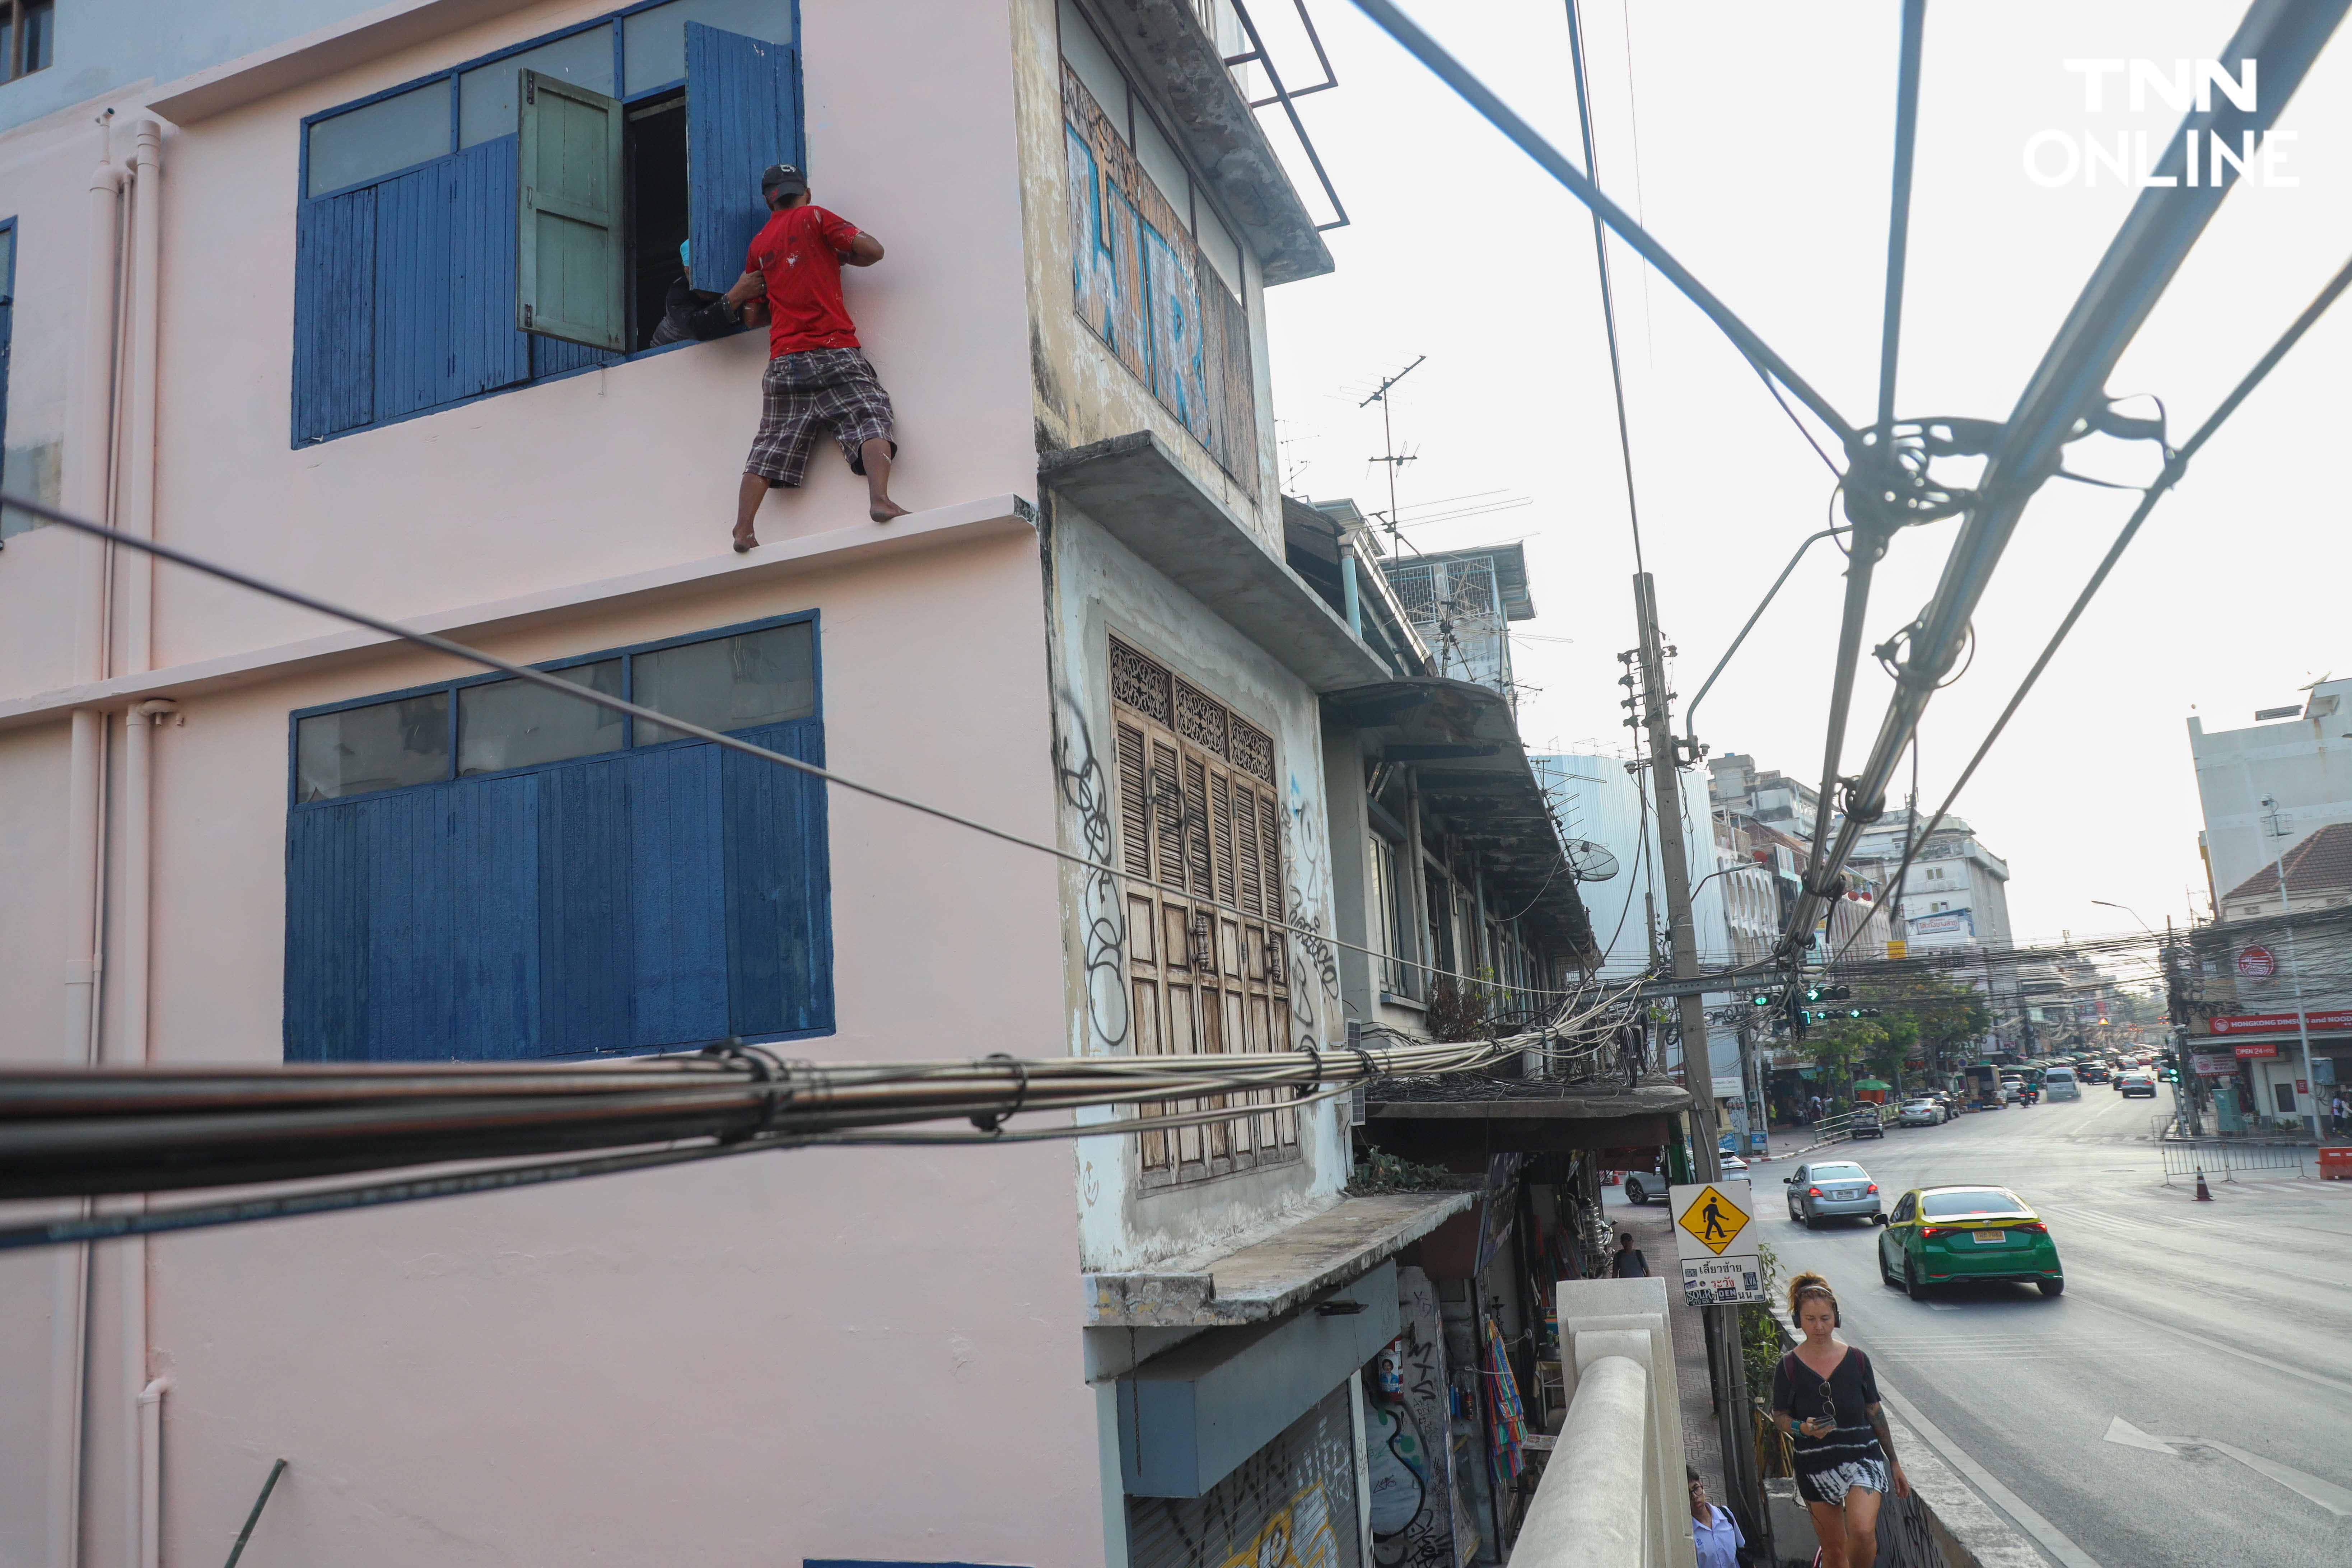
2227	1159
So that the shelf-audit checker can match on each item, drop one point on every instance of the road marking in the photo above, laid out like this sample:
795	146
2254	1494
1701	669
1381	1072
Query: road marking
2052	1539
2291	1369
2122	1431
2335	1499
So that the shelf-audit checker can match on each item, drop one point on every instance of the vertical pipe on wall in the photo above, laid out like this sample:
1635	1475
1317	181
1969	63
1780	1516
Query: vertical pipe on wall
150	1539
89	468
138	569
129	1011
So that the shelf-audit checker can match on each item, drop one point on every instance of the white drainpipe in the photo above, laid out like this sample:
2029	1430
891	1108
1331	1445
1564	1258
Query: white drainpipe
148	1503
138	569
89	472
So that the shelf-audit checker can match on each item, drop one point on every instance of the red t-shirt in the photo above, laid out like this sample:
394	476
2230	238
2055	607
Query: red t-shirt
799	253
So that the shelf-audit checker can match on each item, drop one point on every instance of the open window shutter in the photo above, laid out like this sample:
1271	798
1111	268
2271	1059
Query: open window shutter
742	115
334	315
570	272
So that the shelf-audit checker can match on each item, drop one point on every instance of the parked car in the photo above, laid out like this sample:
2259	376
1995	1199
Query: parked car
1641	1186
1937	1235
1920	1113
1831	1189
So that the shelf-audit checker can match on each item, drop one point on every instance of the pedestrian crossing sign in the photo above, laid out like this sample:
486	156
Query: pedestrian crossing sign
1712	1217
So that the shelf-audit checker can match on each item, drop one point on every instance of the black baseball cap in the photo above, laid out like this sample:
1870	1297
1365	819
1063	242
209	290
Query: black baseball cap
782	176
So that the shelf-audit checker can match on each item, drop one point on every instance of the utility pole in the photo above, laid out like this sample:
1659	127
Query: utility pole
1728	1371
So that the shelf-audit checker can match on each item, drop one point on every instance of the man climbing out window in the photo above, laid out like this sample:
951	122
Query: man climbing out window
818	375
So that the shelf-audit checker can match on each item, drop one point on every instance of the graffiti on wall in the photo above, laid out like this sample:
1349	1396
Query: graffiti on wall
1141	284
1086	790
1308	871
1292	1504
1418	1413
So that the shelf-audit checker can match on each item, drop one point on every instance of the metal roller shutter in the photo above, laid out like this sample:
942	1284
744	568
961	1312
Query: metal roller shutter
1292	1504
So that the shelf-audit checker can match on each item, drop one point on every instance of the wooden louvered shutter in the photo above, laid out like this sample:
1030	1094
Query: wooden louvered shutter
1196	822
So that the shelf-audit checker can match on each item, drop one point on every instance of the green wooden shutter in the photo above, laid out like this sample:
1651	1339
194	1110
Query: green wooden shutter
569	272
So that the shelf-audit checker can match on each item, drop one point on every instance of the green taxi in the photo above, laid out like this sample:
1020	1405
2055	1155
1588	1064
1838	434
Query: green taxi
1936	1235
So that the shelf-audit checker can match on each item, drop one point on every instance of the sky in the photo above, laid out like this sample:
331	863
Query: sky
1755	142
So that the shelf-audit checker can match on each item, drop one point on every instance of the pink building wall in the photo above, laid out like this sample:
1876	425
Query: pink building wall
826	1353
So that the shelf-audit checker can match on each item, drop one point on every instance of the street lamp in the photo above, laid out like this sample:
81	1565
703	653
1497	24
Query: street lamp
2128	909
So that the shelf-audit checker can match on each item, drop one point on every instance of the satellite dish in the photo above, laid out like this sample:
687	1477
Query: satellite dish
1590	862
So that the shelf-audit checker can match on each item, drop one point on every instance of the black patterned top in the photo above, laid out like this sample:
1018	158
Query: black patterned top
1854	1388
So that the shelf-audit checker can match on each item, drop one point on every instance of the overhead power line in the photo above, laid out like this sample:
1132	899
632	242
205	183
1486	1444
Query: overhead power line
95	1131
1306	933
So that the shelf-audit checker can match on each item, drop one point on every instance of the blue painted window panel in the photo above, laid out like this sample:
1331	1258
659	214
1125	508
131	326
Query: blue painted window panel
742	115
677	852
587	949
412	871
328	897
334	294
495	917
553	356
658	898
779	918
444	275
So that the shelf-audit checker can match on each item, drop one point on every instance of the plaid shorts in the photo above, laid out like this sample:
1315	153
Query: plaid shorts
803	391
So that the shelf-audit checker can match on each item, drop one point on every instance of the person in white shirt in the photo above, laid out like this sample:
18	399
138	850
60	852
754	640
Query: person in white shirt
1713	1530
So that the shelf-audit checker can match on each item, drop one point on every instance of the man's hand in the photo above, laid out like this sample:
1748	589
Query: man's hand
751	286
755	313
1902	1482
864	250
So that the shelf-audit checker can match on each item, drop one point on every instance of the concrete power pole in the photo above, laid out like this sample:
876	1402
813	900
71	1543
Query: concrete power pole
1728	1371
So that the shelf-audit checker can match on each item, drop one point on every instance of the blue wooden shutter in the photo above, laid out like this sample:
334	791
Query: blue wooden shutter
587	944
572	280
334	315
678	887
742	114
444	281
495	984
327	902
778	897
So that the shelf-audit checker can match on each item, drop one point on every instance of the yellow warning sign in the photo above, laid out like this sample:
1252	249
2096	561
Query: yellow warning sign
1714	1219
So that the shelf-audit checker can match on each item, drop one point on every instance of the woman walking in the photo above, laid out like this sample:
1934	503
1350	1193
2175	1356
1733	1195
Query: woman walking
1825	1398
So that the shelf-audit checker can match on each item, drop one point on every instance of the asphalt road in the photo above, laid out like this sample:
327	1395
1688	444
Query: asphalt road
2229	1321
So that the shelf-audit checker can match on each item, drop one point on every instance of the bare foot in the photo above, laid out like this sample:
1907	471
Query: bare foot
884	510
745	541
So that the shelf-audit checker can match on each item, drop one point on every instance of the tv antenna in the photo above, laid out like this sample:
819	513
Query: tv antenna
1388	455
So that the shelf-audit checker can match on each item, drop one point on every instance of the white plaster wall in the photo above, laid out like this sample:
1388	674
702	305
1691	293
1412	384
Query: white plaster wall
1097	587
701	1364
910	134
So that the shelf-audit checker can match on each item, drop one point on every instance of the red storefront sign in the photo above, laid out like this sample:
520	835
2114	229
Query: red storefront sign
2271	1023
2257	1048
2255	962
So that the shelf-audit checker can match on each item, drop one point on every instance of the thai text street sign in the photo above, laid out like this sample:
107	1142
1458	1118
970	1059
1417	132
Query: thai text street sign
1715	1237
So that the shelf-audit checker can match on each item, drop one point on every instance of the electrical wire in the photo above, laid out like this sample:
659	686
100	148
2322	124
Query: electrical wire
1601	257
681	726
2175	464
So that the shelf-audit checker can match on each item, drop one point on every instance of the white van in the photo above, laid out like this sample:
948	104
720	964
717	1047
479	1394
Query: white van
2059	1083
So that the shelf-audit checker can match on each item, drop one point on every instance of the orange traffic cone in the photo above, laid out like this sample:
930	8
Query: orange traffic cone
2204	1194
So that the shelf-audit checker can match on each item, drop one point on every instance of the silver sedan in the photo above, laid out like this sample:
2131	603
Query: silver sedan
1831	1189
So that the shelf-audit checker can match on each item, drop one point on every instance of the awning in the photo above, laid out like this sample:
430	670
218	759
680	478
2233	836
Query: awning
1871	1083
1463	742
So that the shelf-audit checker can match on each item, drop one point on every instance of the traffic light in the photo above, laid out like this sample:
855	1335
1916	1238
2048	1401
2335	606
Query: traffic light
1838	992
1761	999
1812	993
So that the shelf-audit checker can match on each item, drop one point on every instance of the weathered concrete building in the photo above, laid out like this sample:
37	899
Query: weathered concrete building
363	299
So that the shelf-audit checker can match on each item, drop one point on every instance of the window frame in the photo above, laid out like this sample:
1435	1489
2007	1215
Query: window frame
14	68
449	77
626	654
8	226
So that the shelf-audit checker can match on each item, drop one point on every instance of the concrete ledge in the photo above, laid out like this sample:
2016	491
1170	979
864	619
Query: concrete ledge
991	517
1268	1277
1136	490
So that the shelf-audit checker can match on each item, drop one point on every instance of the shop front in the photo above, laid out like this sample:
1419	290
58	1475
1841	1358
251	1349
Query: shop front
2267	1083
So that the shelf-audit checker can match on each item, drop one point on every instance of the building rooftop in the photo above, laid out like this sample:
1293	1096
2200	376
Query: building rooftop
2320	864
